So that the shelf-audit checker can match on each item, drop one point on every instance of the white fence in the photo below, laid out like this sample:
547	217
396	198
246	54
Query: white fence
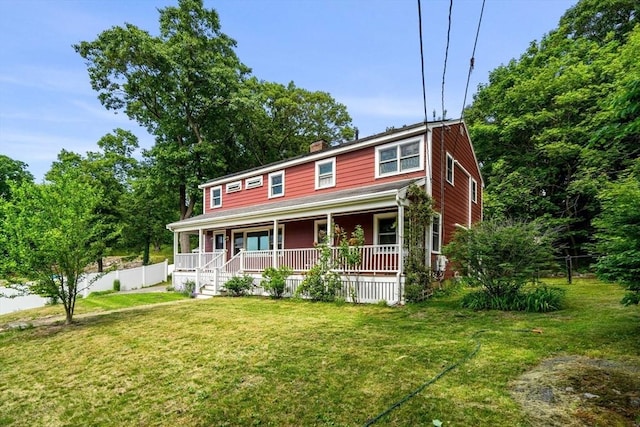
133	278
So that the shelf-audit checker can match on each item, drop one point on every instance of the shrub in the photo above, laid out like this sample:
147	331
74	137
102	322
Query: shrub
275	280
539	300
319	285
239	285
189	288
501	257
116	285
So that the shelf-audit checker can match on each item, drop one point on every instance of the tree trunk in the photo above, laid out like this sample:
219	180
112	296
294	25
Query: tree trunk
100	265
185	244
145	253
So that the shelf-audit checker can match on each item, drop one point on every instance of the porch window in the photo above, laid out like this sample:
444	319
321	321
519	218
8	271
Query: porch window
449	168
393	159
276	184
436	226
325	173
474	191
385	229
320	231
216	197
255	240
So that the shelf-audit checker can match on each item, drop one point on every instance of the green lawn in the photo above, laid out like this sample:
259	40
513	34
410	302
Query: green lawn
251	361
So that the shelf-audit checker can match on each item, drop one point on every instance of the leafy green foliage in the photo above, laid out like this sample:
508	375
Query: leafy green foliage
275	280
321	283
540	299
418	217
49	232
188	288
618	234
501	257
350	258
551	127
12	171
239	285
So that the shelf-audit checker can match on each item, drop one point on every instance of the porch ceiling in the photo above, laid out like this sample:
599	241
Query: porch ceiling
374	196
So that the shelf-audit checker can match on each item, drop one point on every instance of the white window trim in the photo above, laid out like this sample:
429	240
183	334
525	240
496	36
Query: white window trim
272	174
229	188
253	182
331	160
316	223
453	169
474	194
397	144
211	198
439	219
376	217
245	231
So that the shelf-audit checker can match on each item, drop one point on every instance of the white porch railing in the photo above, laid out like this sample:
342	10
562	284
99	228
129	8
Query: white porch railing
192	261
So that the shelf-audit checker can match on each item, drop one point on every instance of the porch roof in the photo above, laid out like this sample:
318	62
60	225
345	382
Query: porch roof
373	196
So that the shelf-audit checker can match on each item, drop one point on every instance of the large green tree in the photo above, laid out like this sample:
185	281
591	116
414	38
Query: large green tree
12	171
48	231
618	233
190	90
109	170
182	85
547	127
280	121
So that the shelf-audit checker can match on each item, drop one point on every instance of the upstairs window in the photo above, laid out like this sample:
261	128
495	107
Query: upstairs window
253	182
325	173
449	168
402	157
232	187
216	197
276	184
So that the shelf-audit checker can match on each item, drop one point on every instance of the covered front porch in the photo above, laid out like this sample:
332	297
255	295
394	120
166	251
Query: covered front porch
247	241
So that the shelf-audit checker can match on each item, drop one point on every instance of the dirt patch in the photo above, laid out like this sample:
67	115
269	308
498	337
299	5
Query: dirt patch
578	391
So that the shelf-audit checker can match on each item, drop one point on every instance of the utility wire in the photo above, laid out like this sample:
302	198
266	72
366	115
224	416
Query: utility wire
424	86
472	60
446	57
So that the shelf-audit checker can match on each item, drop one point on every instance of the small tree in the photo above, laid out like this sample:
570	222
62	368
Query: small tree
274	280
48	231
501	257
618	235
350	258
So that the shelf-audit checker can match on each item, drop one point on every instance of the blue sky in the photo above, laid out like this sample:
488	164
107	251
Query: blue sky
365	53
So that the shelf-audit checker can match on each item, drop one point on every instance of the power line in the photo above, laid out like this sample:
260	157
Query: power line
424	86
446	56
472	61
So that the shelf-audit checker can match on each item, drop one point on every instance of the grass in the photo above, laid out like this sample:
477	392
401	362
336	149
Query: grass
94	303
252	361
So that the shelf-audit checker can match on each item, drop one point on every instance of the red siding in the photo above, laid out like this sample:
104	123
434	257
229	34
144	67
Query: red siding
353	169
453	201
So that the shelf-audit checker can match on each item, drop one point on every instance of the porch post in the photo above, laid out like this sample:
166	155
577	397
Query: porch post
400	228
200	248
274	259
330	230
175	245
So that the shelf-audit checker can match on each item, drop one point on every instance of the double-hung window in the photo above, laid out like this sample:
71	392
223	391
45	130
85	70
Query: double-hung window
450	165
216	197
436	233
474	191
400	157
385	229
326	173
276	184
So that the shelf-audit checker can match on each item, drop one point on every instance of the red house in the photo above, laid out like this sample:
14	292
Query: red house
362	182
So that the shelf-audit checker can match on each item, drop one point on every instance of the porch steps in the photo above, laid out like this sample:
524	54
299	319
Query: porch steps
203	296
207	291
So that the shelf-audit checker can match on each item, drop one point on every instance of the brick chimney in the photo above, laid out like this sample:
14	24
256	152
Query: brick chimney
318	146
